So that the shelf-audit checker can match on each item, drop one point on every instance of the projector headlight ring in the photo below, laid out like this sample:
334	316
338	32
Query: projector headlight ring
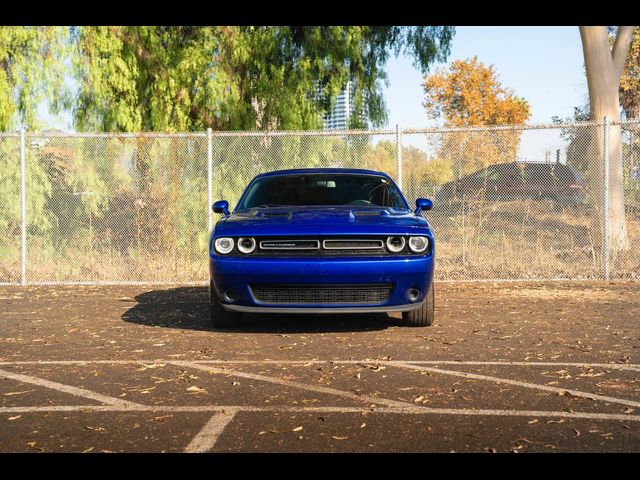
418	244
395	244
223	245
246	244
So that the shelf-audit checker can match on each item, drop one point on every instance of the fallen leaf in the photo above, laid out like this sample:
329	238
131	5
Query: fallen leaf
151	366
96	429
531	422
194	389
297	429
88	450
338	438
15	418
375	368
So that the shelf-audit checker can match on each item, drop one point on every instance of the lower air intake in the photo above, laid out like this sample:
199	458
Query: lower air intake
371	294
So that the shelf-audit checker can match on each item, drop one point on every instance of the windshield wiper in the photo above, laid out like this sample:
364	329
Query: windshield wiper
269	205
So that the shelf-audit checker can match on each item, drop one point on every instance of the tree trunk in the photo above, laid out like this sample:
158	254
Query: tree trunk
604	67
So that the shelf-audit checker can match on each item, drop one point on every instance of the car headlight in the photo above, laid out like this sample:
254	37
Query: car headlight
246	245
223	245
395	244
418	244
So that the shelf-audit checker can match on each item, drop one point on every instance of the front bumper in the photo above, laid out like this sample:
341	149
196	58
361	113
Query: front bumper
237	273
280	309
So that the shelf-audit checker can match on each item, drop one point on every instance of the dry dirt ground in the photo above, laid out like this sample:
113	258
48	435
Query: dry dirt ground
507	367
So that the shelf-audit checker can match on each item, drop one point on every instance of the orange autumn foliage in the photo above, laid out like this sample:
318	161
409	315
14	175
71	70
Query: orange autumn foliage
630	79
469	94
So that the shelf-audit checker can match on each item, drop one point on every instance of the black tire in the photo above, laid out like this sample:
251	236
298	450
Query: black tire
423	316
221	318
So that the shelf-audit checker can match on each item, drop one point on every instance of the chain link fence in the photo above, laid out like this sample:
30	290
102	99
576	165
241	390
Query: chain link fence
525	202
10	208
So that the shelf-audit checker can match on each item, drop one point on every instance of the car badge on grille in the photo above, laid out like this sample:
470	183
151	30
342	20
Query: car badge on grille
290	245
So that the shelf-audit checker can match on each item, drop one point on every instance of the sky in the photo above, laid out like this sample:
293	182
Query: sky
544	65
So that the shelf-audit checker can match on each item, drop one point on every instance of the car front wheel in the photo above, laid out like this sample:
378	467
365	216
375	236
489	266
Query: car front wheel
221	318
423	316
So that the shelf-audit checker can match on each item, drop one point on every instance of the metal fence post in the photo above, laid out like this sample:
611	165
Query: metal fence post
399	154
606	198
209	179
23	195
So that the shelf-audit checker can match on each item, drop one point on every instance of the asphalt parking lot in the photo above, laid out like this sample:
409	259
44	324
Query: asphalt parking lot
507	367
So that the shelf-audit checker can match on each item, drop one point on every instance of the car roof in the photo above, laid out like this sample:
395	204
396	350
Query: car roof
297	171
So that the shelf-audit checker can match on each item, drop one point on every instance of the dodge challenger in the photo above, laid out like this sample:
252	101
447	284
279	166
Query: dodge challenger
327	240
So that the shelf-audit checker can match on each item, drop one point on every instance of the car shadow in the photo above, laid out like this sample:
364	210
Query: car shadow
188	308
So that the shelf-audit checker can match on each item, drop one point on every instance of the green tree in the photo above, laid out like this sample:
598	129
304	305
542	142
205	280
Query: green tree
135	78
32	69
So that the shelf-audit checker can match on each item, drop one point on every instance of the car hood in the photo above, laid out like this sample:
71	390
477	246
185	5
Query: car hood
321	221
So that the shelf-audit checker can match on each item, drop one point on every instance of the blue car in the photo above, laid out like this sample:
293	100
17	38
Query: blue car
326	240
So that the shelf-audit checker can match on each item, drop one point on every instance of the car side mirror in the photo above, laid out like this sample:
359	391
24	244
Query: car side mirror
221	206
423	204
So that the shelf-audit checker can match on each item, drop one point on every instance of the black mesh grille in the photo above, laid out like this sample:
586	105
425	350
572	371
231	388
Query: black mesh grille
353	244
322	294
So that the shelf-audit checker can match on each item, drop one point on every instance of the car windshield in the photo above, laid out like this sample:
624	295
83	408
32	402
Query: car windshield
322	189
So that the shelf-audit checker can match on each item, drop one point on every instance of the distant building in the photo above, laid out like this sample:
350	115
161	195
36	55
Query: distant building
343	110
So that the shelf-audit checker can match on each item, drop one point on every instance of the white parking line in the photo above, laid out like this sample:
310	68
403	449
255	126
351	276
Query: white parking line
206	438
298	385
403	406
619	366
79	392
409	409
547	388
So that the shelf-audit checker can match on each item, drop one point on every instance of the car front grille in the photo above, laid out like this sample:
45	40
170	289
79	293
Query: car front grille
323	246
321	294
